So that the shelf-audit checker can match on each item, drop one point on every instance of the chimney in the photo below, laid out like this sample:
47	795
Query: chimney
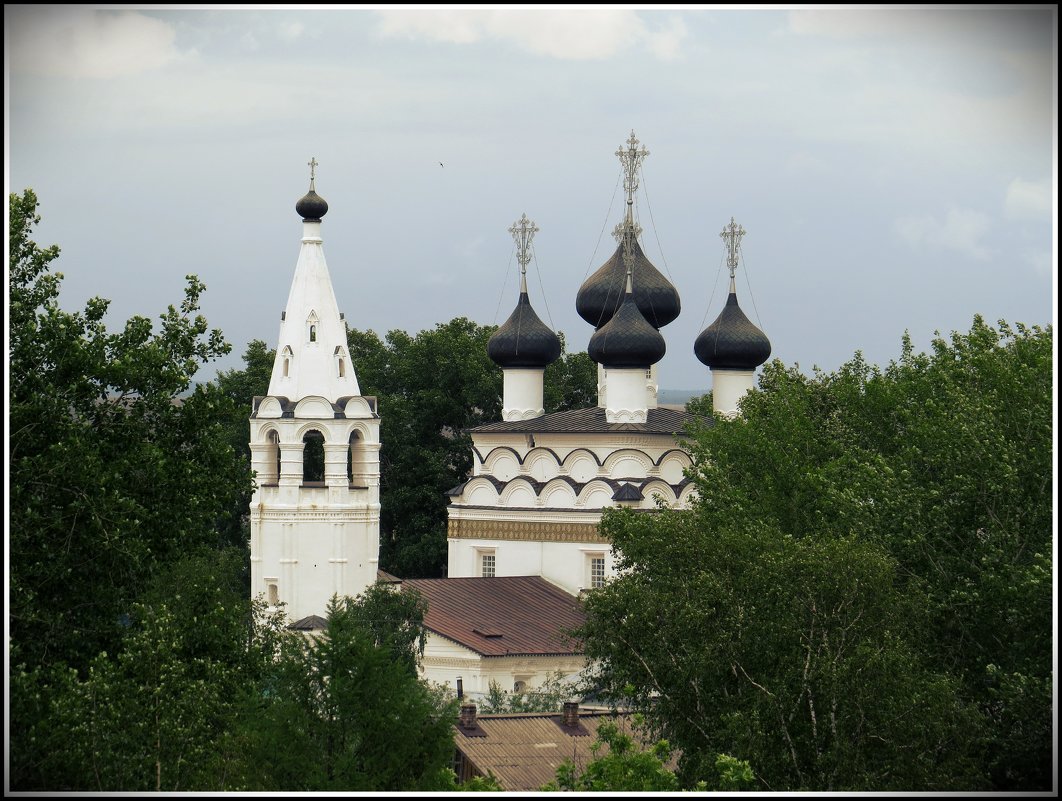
460	688
468	716
570	716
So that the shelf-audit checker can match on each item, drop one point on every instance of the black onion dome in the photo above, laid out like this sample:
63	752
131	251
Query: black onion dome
602	293
523	340
732	341
311	207
627	340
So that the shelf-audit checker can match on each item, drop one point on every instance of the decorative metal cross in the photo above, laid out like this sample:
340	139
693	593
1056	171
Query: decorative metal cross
312	164
732	234
631	159
523	231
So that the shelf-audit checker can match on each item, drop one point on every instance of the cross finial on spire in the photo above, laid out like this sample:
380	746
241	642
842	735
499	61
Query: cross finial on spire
312	164
631	159
523	231
731	234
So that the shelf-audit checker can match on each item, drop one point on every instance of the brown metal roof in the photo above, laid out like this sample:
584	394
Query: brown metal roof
660	420
524	750
501	616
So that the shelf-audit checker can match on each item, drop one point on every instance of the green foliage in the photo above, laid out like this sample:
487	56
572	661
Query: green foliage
570	382
113	473
241	386
861	598
622	764
431	389
345	712
149	718
477	784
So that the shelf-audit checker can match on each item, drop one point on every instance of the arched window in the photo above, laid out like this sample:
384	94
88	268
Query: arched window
519	686
340	362
313	333
273	462
313	457
353	443
287	354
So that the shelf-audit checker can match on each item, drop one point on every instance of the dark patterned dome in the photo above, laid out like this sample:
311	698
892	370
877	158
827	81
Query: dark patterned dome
732	341
627	340
523	340
602	293
311	207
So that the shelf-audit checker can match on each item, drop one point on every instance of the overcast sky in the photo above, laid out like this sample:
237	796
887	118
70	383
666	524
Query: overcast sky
894	168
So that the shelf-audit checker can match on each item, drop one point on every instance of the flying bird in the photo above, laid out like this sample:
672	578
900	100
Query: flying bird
441	164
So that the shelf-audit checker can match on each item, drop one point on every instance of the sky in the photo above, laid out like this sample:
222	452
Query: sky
894	167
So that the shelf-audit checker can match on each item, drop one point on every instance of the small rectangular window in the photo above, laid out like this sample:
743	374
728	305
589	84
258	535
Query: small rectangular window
597	572
487	564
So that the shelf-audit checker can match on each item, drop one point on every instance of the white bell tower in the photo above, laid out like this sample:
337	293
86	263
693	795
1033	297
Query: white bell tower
315	449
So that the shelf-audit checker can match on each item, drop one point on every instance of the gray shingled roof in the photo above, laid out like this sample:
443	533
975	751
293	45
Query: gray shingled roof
592	421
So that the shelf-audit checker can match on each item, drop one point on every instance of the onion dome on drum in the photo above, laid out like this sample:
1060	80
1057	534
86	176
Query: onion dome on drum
311	206
627	340
523	340
602	294
732	341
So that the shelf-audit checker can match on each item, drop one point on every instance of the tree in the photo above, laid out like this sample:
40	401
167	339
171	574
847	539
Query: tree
152	716
344	711
860	598
944	461
570	382
241	386
622	765
115	470
792	653
431	389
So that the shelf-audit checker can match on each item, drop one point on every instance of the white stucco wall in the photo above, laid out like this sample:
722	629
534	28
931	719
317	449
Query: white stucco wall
444	661
566	564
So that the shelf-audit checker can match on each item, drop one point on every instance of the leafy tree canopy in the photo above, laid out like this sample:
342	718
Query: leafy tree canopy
343	711
114	471
861	596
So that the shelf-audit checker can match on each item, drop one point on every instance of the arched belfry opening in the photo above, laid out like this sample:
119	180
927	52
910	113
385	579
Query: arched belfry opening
271	475
311	327
313	459
352	444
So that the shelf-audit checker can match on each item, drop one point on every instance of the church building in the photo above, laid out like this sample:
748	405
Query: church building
523	539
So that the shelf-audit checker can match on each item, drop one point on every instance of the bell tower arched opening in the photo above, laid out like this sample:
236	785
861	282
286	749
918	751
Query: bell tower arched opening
313	458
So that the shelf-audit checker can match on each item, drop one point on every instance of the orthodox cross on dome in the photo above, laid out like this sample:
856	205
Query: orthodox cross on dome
312	164
627	231
523	231
631	159
732	234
